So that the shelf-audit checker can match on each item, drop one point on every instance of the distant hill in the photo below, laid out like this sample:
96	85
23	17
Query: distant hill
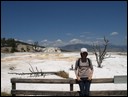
77	47
24	43
117	48
11	45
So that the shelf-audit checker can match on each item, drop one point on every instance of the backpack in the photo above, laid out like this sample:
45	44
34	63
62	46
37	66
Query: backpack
79	62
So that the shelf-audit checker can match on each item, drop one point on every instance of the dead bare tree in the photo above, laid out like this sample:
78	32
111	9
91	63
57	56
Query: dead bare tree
100	53
35	46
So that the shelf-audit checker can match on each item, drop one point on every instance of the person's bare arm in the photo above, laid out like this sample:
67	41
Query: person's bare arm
90	77
76	71
91	67
77	77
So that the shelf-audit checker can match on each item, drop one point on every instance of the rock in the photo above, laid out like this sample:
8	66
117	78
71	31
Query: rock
51	50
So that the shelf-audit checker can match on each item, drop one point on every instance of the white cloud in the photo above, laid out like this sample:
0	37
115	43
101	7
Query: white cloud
74	41
58	40
44	40
55	43
16	39
21	40
114	33
30	41
58	43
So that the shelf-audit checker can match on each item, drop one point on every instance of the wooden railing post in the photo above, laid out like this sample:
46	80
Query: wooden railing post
13	88
71	87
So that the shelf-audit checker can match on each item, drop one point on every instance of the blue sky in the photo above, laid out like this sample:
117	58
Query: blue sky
57	23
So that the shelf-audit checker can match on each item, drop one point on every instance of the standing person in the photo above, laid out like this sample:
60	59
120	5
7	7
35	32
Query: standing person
84	72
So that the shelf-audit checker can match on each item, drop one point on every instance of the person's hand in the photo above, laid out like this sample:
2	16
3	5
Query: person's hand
90	78
78	78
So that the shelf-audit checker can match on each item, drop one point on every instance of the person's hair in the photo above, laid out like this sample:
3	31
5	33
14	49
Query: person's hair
84	52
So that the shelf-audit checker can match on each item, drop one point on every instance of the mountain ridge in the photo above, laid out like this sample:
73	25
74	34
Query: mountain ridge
77	47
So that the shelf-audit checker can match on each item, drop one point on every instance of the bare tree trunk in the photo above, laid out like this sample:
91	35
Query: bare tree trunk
101	55
35	46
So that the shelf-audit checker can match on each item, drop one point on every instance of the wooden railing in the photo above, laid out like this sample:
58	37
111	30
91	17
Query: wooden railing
15	92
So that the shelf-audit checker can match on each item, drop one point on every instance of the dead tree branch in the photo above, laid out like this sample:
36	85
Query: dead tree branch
101	55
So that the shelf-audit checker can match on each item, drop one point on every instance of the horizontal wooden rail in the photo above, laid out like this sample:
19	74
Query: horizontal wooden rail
59	81
71	93
71	82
